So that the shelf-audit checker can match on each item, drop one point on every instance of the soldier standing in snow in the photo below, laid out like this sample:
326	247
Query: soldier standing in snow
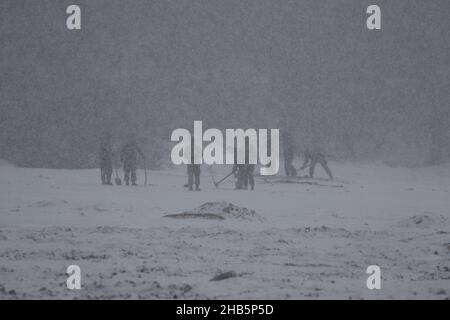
312	158
239	173
129	158
106	156
248	176
193	170
244	172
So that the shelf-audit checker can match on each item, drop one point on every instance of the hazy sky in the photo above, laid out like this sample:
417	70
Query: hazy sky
149	67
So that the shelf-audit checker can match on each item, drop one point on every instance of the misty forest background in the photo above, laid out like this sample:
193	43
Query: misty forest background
149	67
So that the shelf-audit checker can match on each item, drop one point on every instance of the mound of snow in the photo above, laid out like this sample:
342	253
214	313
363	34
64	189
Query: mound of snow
218	211
426	220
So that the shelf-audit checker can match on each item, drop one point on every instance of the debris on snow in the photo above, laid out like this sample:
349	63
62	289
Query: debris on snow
224	276
426	220
218	211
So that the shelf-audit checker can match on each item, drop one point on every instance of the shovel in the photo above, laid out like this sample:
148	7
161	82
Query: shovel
216	184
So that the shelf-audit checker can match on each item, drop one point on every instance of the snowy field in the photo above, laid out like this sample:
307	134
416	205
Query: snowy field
307	239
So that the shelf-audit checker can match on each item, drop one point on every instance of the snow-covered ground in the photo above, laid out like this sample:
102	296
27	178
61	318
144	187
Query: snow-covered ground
312	239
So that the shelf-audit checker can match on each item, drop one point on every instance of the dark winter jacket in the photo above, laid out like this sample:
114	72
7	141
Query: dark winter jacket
106	154
129	154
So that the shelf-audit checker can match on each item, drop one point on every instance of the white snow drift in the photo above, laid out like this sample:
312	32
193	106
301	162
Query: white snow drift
303	240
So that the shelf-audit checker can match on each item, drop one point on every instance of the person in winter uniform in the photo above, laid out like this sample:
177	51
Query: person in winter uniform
289	151
239	173
313	158
244	172
193	170
106	156
128	156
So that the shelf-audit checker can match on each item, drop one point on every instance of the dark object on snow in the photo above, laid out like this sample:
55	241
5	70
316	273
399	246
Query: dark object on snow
224	276
244	174
313	158
216	184
117	179
129	158
300	181
193	169
189	215
106	156
218	210
145	172
193	172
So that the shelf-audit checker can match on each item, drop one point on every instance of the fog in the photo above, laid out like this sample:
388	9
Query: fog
311	68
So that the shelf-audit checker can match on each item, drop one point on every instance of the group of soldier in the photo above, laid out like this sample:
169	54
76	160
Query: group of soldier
128	156
244	173
311	159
